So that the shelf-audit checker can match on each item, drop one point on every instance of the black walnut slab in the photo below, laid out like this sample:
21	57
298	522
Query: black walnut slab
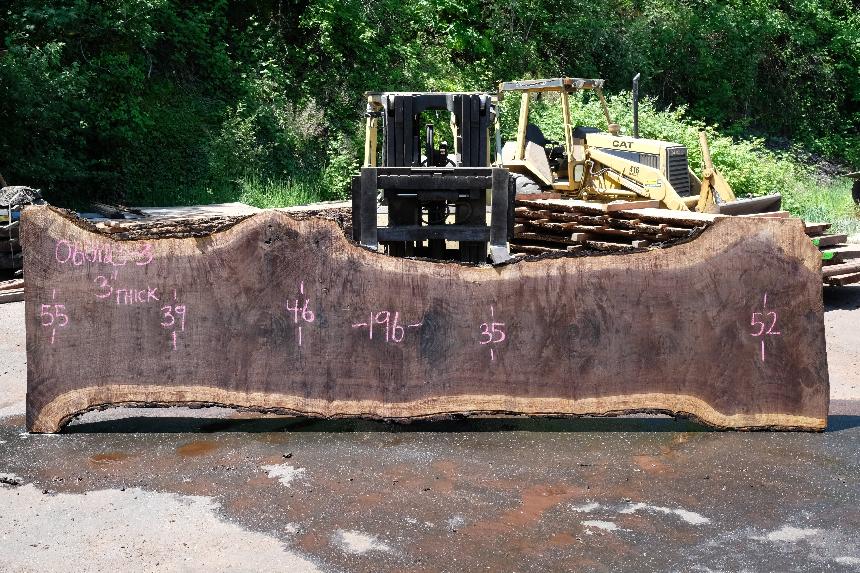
277	314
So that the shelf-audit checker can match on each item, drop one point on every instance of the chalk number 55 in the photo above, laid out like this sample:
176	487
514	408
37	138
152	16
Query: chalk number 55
53	313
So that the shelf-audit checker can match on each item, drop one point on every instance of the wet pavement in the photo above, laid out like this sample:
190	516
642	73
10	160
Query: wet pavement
168	490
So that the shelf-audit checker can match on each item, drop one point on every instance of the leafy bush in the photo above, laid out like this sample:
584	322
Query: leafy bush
148	101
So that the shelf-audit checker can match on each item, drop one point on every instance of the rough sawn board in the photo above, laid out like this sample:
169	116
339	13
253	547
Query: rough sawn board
275	314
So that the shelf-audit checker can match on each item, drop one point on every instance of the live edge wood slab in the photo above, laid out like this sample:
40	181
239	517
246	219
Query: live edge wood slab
285	315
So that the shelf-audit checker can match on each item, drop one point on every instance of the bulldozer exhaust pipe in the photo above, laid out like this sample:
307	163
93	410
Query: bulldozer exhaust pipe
636	106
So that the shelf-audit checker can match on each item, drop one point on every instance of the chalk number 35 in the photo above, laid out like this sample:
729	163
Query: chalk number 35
492	332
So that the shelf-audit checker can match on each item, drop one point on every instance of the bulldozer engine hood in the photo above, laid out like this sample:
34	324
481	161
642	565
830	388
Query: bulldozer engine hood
625	143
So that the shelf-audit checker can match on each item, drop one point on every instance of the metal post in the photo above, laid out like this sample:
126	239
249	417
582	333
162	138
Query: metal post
568	136
499	219
521	126
636	105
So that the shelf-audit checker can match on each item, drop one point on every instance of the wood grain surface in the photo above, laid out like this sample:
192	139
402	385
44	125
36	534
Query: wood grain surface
278	314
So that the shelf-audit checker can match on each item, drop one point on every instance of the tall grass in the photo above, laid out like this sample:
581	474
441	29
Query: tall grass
830	201
254	190
266	193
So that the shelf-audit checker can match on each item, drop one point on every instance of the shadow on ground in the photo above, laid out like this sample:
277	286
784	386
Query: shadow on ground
142	424
842	298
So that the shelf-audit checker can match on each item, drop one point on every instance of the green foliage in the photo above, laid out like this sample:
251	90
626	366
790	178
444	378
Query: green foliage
829	201
148	101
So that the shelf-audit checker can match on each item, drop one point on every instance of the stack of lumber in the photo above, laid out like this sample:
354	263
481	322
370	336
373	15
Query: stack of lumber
548	225
12	290
840	261
568	225
12	200
125	223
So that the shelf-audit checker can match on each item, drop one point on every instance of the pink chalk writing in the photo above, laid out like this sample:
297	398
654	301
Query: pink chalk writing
492	333
76	253
53	315
104	285
173	318
136	296
301	314
392	329
765	322
124	296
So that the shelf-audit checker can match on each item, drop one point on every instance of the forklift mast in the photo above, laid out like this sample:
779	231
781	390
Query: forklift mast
435	195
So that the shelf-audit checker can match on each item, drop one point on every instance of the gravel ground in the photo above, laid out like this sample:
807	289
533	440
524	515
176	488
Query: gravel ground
217	490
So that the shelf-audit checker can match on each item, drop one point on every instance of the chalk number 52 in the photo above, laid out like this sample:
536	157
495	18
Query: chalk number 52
761	323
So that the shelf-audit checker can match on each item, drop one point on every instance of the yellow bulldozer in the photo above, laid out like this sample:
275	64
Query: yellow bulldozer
596	165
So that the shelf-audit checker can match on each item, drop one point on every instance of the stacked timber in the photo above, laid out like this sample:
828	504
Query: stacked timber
198	220
840	261
548	225
12	200
559	225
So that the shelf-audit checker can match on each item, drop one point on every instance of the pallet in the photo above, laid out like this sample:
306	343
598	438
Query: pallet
277	314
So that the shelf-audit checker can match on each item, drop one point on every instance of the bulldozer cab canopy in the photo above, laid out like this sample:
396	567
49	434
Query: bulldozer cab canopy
551	85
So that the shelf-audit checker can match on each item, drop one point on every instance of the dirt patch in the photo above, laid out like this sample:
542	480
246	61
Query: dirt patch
109	458
197	448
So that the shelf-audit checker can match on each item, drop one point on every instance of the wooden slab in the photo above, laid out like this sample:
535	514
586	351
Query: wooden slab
770	214
829	240
11	295
816	228
193	211
842	269
843	280
278	314
627	205
12	284
840	254
691	218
